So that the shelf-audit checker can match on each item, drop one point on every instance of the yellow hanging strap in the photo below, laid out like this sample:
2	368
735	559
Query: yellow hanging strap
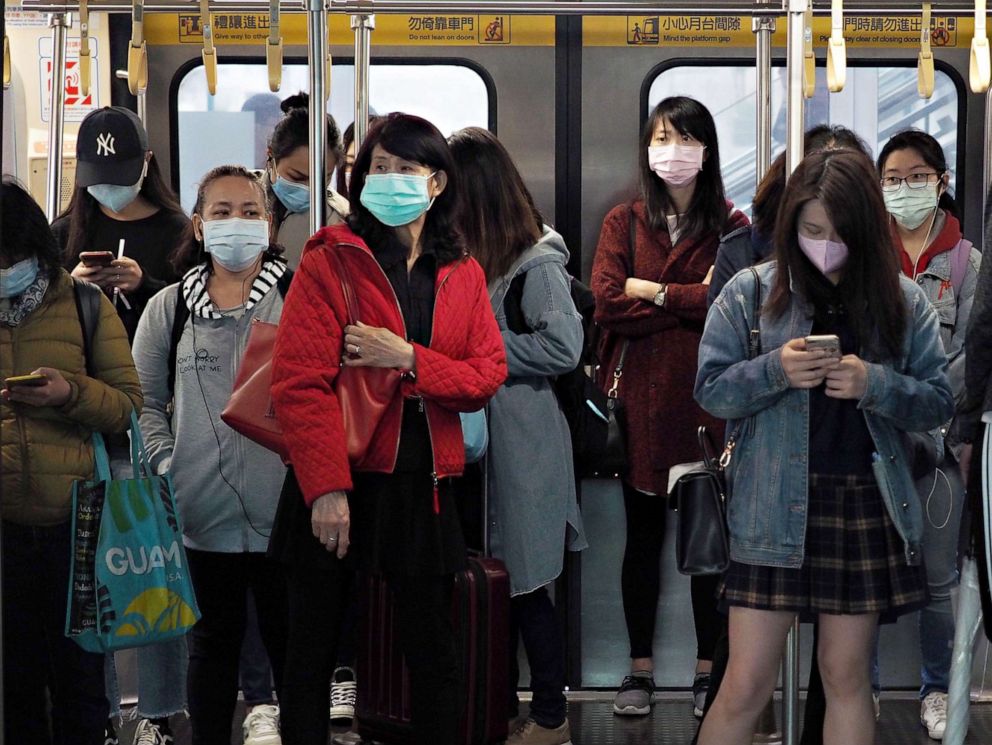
924	69
209	54
836	51
6	62
809	61
981	66
273	50
137	51
85	59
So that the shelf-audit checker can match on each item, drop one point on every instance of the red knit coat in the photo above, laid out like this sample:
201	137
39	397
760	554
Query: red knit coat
460	370
660	368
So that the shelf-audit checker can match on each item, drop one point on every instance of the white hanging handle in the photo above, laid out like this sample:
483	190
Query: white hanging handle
85	58
836	50
924	68
809	60
137	51
6	62
981	66
209	53
273	49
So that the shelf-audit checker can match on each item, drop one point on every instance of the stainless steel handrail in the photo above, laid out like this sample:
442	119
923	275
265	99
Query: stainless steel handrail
60	23
511	7
317	52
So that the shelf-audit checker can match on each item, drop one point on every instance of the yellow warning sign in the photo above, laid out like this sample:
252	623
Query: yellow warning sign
391	30
730	30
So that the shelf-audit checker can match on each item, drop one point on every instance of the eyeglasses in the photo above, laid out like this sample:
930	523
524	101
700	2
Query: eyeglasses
913	181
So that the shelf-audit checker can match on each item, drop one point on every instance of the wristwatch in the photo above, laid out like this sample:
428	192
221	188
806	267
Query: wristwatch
661	296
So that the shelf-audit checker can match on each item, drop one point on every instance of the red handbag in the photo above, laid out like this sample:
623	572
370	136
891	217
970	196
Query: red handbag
249	411
364	393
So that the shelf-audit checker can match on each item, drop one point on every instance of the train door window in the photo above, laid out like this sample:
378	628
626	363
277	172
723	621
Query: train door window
234	125
728	92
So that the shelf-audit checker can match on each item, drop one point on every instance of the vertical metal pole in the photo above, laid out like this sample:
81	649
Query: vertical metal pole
763	27
142	105
362	25
987	170
317	48
59	23
794	154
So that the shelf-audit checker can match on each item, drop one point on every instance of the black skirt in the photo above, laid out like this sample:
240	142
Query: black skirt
854	561
394	526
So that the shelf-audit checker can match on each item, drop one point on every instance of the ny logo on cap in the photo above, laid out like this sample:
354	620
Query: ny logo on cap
105	144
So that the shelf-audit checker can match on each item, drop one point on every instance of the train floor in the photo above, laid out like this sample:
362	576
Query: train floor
671	723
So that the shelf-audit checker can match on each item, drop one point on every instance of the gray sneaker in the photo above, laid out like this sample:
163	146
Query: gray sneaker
636	695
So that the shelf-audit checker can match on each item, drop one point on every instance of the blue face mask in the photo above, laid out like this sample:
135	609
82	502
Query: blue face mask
235	243
295	196
395	198
18	278
117	198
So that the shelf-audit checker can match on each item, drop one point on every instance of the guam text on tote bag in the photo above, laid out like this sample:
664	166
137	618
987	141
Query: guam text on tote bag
129	582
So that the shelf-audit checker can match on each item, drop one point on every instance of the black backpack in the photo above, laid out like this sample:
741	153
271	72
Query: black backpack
181	315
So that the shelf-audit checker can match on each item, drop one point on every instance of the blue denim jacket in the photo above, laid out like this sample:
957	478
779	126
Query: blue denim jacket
768	473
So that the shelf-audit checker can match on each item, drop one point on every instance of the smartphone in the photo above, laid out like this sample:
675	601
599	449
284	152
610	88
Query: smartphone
96	258
32	380
828	343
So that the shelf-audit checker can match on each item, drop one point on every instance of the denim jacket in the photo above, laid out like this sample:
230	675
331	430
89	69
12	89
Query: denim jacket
768	473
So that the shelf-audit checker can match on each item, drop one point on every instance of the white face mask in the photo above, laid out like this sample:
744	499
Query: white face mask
911	207
235	243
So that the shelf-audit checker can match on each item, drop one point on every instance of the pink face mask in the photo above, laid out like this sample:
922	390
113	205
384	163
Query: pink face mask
675	164
827	256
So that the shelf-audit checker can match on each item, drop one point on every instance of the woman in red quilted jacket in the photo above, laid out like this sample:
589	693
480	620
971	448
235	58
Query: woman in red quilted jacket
422	311
650	278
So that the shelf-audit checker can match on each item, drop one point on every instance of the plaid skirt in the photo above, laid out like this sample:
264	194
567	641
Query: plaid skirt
854	561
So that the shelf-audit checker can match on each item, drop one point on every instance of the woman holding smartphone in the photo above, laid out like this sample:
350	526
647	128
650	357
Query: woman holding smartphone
823	521
121	226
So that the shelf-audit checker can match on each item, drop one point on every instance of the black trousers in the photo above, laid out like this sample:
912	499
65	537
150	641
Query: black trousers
36	653
532	618
641	579
221	582
317	591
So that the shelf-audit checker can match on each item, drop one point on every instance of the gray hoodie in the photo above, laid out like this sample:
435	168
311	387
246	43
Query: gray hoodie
533	513
227	487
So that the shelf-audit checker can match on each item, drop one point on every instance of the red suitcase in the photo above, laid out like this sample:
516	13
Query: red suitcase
480	616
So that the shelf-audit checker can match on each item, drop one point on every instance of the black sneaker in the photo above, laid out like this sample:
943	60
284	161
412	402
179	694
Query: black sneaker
636	695
344	691
110	734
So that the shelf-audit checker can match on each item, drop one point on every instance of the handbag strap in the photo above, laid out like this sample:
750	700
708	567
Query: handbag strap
139	456
631	253
347	287
706	446
101	458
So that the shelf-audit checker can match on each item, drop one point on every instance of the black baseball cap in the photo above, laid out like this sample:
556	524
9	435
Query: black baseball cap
110	148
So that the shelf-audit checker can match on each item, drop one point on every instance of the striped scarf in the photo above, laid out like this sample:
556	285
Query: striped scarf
194	288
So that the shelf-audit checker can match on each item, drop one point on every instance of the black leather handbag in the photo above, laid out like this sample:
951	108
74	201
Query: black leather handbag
701	542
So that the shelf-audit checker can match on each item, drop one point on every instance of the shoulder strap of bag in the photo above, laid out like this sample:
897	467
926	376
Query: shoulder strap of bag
282	284
959	264
178	324
350	300
87	297
754	335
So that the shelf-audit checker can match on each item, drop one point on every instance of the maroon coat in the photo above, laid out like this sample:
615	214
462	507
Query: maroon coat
660	367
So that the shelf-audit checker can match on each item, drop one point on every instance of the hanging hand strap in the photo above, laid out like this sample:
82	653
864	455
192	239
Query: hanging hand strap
6	62
85	58
209	53
137	51
809	59
273	49
836	51
924	69
981	65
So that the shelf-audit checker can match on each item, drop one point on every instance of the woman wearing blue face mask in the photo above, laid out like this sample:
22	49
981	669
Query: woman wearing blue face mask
288	177
824	522
927	235
45	442
121	225
424	311
226	485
